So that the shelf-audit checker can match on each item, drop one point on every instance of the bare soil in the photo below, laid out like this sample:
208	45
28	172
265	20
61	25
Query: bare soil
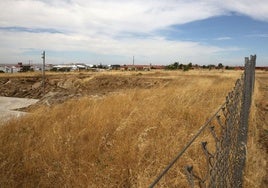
60	87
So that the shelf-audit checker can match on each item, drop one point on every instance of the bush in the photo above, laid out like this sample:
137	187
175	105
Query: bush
185	67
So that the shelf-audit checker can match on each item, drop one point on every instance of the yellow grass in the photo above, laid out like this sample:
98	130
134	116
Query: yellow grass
256	165
123	139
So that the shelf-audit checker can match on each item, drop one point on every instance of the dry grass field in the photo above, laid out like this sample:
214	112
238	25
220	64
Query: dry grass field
115	129
257	162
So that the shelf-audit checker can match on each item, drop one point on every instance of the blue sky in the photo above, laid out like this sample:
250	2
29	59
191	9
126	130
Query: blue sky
154	31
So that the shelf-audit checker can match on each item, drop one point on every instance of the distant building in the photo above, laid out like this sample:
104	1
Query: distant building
2	69
115	67
159	67
11	68
69	67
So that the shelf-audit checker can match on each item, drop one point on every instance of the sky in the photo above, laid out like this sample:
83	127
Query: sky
157	32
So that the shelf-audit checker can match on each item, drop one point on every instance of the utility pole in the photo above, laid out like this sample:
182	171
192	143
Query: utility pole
43	71
133	60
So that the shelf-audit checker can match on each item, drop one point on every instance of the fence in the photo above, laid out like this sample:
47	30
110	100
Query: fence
228	127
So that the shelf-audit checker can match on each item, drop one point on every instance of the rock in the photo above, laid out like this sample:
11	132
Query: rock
8	82
65	84
36	85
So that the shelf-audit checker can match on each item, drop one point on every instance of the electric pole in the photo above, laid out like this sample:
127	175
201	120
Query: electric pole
43	71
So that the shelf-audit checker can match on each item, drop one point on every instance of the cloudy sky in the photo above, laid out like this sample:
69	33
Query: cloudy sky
154	31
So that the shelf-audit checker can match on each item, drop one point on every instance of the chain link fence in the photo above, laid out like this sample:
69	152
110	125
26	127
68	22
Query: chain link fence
228	127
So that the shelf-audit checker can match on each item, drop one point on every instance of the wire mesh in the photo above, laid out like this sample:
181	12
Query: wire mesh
225	165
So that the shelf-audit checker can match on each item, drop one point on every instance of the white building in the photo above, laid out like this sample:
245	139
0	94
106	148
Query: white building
10	69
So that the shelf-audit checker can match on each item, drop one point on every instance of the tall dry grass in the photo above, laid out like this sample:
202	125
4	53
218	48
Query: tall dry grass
123	139
256	164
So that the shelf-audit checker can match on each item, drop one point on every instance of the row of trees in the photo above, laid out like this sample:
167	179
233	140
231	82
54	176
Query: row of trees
186	67
176	66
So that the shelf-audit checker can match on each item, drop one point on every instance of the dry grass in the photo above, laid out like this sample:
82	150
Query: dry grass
123	139
256	167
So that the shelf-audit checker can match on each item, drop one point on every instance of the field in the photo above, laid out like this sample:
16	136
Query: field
119	129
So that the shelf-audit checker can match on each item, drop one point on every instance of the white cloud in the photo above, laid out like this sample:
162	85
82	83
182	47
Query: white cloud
257	9
96	26
106	16
223	38
156	50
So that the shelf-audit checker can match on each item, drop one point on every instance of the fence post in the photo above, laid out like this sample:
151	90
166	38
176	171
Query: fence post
248	85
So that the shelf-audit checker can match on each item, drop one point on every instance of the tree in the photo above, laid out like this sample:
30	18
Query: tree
190	65
186	67
176	65
204	66
173	66
220	66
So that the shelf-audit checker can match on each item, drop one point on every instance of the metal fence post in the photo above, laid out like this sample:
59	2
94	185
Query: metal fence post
249	74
